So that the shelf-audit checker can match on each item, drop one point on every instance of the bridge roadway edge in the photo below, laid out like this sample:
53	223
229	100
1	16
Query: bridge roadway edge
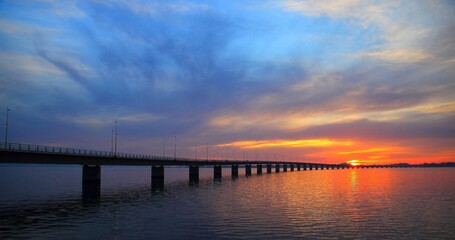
7	156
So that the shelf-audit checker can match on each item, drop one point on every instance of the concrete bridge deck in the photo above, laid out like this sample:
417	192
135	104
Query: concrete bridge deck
37	154
92	160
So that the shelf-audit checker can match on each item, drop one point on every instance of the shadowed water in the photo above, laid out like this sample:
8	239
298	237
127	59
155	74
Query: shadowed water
45	202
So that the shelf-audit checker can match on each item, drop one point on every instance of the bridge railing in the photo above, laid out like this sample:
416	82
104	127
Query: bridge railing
77	152
20	147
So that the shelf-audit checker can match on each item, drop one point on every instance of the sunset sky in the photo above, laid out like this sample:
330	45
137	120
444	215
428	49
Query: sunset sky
322	81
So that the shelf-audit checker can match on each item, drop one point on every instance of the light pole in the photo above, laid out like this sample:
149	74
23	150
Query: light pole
6	126
112	141
116	134
207	152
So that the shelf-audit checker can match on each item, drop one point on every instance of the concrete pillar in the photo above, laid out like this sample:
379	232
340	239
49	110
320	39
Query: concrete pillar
91	173
194	174
269	168
292	167
311	167
333	167
91	183
235	171
248	170
304	167
285	167
316	167
298	167
338	166
157	178
217	172
277	167
259	169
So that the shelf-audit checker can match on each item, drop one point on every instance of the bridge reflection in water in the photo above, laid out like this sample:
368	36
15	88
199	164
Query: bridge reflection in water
92	160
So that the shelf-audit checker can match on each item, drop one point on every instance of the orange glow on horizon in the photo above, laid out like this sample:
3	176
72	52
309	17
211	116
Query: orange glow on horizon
353	162
286	143
374	150
351	151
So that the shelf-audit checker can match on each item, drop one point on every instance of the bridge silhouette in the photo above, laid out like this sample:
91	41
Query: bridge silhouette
92	160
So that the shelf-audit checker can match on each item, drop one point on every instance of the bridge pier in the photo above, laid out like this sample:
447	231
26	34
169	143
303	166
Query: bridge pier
292	167
277	168
259	169
285	167
248	170
304	167
194	174
91	173
91	183
217	172
298	167
235	171
157	178
269	168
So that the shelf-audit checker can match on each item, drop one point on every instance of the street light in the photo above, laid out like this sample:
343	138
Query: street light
6	125
112	141
116	134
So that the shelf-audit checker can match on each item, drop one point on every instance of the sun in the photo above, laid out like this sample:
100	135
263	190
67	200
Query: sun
353	162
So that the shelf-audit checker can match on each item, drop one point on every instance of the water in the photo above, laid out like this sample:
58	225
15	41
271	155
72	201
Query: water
45	202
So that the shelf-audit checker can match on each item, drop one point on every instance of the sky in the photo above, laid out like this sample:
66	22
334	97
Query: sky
321	81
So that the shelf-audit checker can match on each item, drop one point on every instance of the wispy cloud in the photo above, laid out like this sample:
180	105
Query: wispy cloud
107	119
298	77
299	143
400	55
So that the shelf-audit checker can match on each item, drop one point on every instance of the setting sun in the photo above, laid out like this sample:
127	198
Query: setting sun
353	162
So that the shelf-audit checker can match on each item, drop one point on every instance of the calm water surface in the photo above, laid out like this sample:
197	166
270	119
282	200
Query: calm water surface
45	202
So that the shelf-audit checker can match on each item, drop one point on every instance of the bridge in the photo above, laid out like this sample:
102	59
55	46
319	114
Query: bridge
92	160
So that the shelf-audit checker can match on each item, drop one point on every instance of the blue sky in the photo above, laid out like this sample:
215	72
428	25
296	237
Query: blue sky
342	80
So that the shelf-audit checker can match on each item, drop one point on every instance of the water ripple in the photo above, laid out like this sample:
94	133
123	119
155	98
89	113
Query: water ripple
340	204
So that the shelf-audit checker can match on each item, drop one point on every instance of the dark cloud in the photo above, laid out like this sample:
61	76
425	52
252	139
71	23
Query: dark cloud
188	66
393	130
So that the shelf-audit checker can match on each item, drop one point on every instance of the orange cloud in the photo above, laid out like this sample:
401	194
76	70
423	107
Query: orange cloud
286	143
373	150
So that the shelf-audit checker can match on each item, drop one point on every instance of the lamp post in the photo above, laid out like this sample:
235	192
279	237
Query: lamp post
112	141
207	152
6	126
116	135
